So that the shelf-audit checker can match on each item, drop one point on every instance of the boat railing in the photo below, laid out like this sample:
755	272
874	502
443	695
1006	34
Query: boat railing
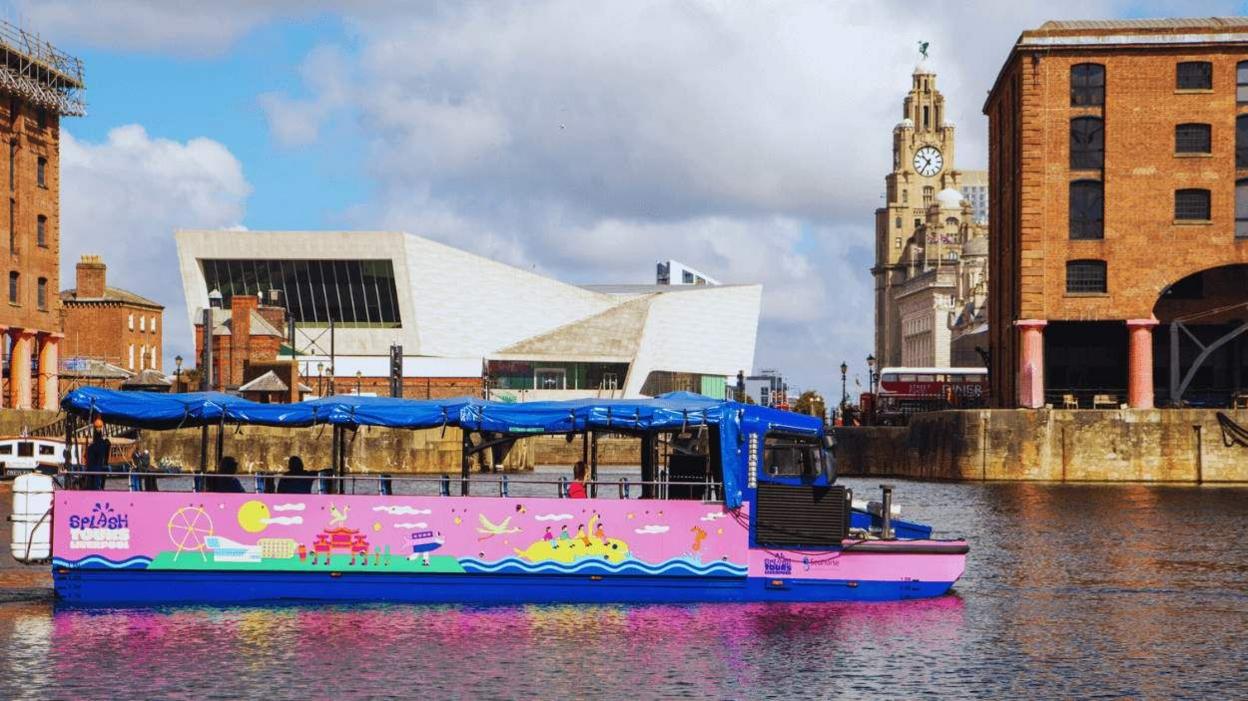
446	485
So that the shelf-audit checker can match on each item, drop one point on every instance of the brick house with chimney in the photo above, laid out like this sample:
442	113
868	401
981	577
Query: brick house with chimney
246	340
108	324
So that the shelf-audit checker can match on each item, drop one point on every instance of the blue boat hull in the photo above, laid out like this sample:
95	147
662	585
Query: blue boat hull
130	587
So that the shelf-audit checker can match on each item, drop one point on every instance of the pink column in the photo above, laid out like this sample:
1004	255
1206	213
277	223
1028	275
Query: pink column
1140	360
49	367
19	369
1031	363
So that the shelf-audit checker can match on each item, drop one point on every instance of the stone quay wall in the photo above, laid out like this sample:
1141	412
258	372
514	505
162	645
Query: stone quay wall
1177	446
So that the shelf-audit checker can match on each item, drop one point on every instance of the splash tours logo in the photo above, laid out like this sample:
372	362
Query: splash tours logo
101	529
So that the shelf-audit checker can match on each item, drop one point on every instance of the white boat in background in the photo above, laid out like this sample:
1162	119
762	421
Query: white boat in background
22	454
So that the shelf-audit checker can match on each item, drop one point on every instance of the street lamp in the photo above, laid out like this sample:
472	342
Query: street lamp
844	393
871	372
177	372
320	379
359	377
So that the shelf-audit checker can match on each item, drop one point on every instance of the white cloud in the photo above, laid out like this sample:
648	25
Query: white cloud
123	198
410	526
403	510
289	507
553	517
283	521
652	529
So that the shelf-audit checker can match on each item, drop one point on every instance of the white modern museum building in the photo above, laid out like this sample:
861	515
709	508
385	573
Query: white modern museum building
460	315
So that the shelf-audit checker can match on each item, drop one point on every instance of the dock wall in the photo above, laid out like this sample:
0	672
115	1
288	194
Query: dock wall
1183	445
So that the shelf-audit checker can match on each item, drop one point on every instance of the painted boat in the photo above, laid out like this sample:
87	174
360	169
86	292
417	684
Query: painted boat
757	517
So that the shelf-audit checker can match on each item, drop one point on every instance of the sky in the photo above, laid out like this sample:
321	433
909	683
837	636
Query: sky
586	141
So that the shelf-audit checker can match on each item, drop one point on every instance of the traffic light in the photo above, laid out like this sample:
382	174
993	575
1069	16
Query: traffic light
396	370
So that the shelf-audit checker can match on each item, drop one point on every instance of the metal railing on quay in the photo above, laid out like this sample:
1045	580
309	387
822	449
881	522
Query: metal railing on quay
478	485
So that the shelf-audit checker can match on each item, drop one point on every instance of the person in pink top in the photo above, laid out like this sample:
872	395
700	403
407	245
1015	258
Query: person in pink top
576	488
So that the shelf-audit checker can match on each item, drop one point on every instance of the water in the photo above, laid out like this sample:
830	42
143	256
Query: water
1070	591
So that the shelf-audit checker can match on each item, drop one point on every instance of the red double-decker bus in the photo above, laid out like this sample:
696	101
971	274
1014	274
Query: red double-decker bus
906	391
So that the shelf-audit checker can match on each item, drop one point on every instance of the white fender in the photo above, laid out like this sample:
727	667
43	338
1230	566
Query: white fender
32	518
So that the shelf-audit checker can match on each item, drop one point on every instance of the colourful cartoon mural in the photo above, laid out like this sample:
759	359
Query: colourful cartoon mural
289	533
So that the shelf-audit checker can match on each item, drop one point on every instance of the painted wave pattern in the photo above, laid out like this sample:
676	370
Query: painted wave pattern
680	567
138	562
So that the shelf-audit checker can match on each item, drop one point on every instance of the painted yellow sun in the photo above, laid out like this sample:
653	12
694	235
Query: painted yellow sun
458	520
376	526
719	531
253	516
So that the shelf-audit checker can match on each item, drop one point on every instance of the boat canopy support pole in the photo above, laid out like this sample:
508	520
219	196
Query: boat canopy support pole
69	441
203	448
647	465
220	444
593	464
464	463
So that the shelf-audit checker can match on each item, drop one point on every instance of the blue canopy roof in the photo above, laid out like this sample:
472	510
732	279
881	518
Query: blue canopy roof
159	411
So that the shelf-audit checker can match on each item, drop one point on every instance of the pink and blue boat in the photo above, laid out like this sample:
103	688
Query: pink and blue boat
735	502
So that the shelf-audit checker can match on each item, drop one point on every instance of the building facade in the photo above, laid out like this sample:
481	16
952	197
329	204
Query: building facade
932	211
38	85
1119	233
467	324
109	324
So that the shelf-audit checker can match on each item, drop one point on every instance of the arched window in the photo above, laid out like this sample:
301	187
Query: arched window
1241	141
951	222
1086	277
1241	209
1193	138
1087	209
1087	143
1241	81
1191	205
1087	85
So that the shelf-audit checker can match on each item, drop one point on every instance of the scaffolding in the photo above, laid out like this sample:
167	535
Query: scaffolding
38	72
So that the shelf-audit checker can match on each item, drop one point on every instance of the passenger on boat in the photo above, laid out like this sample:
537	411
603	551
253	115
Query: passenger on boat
295	480
97	456
224	481
576	488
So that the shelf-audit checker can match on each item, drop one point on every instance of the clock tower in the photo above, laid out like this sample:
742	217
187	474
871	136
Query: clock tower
923	166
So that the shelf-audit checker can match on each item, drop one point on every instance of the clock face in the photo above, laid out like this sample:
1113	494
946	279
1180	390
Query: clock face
928	161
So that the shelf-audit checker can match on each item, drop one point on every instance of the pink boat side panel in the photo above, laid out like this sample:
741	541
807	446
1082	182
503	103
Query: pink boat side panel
423	534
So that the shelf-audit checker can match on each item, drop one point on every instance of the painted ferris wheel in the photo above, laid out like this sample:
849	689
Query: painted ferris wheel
189	528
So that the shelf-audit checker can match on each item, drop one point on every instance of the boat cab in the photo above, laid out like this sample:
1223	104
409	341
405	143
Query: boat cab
732	502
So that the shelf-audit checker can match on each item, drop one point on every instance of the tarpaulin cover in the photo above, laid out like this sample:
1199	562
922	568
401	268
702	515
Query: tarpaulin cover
156	410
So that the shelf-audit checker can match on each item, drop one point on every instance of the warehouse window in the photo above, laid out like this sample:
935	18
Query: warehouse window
1194	75
1193	138
1087	143
41	172
1087	209
15	279
1087	85
41	293
1241	141
1241	209
1191	205
131	357
1085	276
1241	82
41	231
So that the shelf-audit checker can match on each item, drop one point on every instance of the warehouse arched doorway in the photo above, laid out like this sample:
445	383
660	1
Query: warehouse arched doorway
1200	346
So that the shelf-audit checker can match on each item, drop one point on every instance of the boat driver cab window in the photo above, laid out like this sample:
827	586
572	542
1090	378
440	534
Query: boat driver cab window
787	455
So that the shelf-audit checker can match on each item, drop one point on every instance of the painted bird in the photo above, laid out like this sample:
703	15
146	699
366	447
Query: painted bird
491	529
338	517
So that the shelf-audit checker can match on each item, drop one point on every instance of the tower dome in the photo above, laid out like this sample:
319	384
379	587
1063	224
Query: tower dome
949	198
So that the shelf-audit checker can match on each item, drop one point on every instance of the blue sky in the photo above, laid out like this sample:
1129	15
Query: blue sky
587	141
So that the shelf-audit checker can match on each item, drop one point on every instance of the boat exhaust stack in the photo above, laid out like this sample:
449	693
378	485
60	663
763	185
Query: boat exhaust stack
886	513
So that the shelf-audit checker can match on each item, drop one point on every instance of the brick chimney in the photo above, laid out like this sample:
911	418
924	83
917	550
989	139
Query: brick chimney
241	307
90	283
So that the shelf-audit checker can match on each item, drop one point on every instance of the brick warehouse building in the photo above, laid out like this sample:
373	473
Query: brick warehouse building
110	324
38	85
1118	157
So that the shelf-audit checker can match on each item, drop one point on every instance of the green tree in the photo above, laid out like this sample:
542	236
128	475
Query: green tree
810	403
